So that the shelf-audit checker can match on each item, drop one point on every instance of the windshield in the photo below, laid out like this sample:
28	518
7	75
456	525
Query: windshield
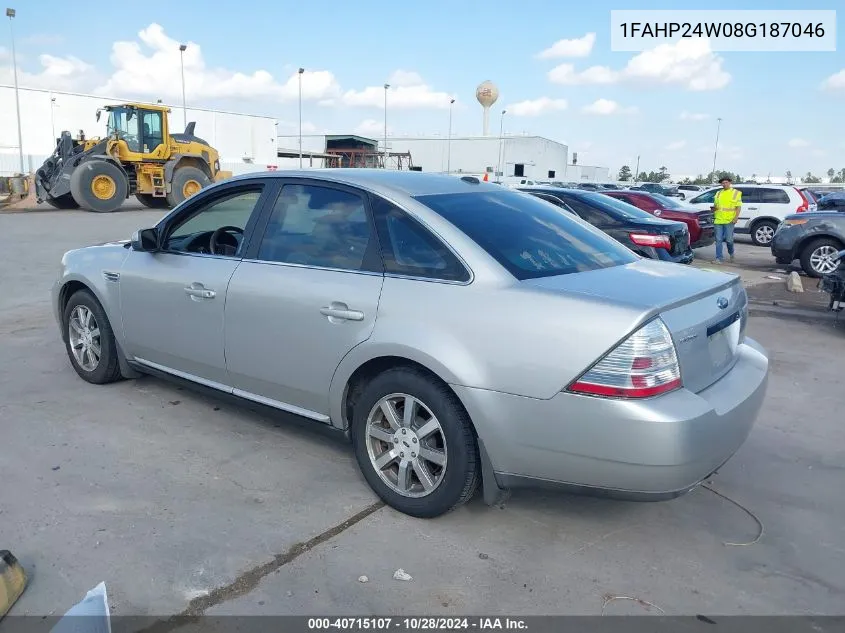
123	122
614	206
530	238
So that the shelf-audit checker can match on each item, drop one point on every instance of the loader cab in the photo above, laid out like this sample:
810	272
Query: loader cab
142	129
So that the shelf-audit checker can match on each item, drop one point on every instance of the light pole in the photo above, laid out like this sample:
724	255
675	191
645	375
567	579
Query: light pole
10	13
716	148
449	141
301	70
53	117
501	146
637	170
182	49
386	87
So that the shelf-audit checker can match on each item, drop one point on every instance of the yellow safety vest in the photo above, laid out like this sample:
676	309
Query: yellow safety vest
727	204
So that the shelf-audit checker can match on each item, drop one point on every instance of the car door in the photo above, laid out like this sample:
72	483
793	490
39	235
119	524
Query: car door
306	293
172	300
753	206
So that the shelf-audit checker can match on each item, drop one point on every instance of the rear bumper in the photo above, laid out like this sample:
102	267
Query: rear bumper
783	244
647	450
706	237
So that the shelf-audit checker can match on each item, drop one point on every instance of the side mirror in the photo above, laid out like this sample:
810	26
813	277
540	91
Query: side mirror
145	240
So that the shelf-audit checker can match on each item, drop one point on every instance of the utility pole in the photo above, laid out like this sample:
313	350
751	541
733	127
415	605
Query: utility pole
301	70
182	49
10	13
386	87
449	141
716	149
500	166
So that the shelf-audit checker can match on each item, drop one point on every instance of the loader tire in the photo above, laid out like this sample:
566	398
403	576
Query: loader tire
62	202
150	201
99	186
187	181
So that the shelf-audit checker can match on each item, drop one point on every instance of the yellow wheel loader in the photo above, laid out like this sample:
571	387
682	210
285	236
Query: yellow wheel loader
137	157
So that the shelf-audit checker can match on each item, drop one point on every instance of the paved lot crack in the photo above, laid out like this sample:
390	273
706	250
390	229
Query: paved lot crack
250	579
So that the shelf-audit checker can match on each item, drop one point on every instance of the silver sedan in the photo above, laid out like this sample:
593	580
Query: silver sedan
458	333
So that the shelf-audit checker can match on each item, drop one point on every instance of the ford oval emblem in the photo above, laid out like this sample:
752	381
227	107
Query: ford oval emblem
722	303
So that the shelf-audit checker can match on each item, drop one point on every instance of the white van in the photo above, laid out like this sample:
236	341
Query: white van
763	208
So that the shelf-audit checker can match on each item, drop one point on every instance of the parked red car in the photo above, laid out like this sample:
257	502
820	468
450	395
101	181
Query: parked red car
699	223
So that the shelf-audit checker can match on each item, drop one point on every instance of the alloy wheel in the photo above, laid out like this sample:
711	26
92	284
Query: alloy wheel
764	233
406	445
84	337
821	259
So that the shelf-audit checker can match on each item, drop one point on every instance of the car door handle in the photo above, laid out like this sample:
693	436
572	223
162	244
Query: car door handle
199	291
336	312
752	208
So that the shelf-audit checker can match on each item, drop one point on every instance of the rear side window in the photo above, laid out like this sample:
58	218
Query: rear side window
555	201
409	249
751	195
774	196
527	237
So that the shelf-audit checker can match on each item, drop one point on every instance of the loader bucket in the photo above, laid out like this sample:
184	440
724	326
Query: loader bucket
12	581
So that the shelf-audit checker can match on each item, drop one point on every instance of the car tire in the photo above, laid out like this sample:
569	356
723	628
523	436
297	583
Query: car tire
812	254
187	182
441	428
84	312
762	232
99	186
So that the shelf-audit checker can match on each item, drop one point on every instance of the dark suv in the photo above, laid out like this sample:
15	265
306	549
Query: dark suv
814	238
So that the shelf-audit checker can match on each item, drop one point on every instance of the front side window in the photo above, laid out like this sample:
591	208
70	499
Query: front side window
318	226
216	227
123	122
528	237
707	197
408	248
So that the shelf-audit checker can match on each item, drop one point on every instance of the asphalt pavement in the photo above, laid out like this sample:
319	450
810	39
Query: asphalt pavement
179	501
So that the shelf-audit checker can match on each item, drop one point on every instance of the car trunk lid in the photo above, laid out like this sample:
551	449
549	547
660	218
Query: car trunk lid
705	311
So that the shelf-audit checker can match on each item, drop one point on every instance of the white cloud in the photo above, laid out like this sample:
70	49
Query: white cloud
371	128
156	72
579	47
58	73
835	81
688	63
675	146
694	116
567	75
407	91
605	107
798	142
536	107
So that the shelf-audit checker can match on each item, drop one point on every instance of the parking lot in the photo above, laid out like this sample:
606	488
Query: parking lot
183	502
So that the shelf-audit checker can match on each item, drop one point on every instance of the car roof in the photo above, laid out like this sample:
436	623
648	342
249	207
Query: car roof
408	183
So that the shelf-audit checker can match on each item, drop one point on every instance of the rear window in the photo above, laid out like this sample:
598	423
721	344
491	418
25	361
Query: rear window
528	237
669	203
612	206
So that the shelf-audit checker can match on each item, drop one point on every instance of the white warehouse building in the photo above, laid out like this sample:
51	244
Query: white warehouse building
245	142
530	157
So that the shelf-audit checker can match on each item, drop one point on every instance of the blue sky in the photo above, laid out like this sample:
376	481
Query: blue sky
776	115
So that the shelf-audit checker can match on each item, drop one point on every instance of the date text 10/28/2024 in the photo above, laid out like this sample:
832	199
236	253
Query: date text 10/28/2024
416	624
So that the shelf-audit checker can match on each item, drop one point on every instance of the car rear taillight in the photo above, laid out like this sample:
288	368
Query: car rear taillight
649	239
642	366
805	204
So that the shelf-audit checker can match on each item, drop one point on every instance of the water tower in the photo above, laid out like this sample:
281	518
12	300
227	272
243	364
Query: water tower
487	94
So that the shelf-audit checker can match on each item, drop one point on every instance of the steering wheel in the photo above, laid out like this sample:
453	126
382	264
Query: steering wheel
228	246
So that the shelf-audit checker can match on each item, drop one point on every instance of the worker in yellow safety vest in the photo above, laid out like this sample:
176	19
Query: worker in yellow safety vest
726	206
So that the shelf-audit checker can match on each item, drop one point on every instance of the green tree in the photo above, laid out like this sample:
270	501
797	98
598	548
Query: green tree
811	179
831	173
788	176
663	173
643	177
624	174
839	177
